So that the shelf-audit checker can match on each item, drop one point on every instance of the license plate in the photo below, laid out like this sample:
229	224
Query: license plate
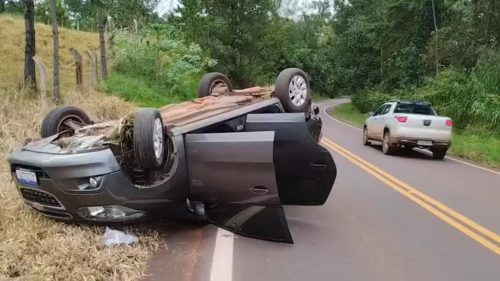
424	142
26	177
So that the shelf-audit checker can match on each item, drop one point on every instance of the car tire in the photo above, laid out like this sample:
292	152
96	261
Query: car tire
53	122
387	147
210	80
293	90
148	139
366	141
439	153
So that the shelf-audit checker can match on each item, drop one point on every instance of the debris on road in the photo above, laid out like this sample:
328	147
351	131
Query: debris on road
114	237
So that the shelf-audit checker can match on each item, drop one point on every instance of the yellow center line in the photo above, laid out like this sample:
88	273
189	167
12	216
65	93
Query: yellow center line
477	232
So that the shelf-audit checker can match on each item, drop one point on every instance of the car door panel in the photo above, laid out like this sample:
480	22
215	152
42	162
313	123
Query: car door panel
234	175
305	171
378	122
232	167
372	123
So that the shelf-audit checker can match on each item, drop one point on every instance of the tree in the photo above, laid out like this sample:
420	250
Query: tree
101	22
234	33
435	36
2	6
29	48
55	38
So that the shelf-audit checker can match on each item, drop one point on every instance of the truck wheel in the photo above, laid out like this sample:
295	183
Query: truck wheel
293	90
387	147
213	80
148	139
438	152
365	137
61	118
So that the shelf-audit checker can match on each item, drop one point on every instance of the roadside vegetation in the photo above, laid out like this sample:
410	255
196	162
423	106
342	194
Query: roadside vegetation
155	67
475	144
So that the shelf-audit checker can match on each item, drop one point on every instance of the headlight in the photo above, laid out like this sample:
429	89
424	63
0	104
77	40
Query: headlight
109	213
89	184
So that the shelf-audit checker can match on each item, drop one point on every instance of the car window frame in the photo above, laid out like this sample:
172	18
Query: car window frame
431	109
387	109
379	110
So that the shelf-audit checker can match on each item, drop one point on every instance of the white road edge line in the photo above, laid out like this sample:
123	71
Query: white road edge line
222	260
447	157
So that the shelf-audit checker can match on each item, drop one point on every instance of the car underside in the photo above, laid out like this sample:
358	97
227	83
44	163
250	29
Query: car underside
233	158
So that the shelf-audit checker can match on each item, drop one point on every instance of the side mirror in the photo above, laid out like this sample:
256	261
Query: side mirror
370	113
316	110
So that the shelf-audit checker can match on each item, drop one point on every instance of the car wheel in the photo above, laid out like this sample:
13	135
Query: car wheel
63	118
387	147
149	139
293	90
438	153
365	137
211	81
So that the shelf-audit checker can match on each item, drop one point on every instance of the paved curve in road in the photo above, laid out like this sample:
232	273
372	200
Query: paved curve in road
388	218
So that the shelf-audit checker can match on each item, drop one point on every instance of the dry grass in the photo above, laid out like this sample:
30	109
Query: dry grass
31	246
12	52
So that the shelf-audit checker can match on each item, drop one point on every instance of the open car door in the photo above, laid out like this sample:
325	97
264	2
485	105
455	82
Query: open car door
234	175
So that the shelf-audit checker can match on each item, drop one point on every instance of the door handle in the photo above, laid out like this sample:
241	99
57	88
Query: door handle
259	190
318	166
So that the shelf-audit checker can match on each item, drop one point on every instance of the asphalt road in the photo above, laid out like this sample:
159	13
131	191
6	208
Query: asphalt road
388	218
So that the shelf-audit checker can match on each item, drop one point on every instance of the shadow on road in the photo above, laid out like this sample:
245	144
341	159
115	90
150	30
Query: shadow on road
414	153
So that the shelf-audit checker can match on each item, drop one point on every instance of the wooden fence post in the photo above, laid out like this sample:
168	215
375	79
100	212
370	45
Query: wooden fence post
96	69
78	68
43	79
93	78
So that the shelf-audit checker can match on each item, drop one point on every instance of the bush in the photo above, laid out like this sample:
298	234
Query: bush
162	65
371	100
469	99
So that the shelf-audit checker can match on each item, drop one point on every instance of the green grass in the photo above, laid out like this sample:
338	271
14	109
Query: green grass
319	97
478	146
349	113
472	143
144	93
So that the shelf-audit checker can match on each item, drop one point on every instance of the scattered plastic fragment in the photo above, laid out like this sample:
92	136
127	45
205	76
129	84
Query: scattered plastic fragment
113	237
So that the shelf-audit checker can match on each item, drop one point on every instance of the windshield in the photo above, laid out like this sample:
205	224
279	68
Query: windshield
414	108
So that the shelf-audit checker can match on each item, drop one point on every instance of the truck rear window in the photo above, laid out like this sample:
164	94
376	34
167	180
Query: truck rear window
414	108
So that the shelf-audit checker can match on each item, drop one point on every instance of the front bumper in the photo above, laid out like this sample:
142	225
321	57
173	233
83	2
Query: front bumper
61	177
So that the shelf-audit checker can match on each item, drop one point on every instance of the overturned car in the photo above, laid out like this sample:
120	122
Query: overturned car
231	157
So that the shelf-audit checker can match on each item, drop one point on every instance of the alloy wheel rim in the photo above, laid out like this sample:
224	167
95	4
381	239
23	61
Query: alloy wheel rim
297	89
158	138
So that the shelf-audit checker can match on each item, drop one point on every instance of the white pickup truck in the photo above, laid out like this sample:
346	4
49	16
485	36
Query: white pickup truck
404	125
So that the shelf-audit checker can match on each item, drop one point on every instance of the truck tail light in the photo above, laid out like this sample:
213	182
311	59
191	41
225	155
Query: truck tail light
449	122
402	119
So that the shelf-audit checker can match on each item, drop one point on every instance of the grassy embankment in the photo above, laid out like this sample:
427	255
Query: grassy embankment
31	246
476	145
145	93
